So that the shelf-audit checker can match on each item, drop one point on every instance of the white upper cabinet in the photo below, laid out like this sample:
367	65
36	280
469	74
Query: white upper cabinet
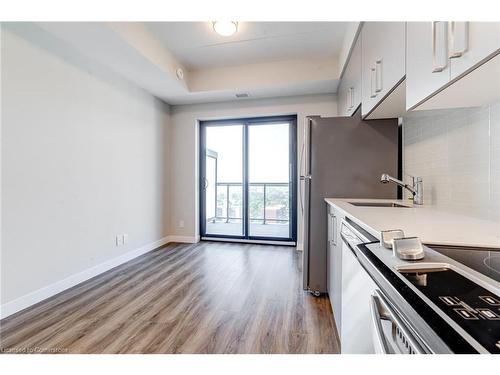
470	43
439	53
427	63
383	61
342	98
440	61
350	86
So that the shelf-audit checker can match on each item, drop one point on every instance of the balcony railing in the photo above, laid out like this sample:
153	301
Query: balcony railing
269	202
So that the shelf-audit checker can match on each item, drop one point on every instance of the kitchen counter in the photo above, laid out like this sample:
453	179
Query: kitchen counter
431	225
414	288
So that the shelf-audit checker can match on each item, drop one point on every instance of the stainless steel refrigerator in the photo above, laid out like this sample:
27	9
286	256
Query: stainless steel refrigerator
343	157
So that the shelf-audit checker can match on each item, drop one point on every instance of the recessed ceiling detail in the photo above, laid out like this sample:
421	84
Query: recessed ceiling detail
197	46
188	62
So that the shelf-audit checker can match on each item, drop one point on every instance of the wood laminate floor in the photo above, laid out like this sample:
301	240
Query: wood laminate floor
182	298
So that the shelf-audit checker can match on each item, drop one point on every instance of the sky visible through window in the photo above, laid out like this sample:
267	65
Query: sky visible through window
268	152
227	142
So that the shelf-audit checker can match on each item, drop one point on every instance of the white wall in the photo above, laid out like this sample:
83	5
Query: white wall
457	152
184	151
262	75
84	157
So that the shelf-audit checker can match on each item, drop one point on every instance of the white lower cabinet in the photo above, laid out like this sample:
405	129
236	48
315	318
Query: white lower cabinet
357	289
330	250
342	99
334	265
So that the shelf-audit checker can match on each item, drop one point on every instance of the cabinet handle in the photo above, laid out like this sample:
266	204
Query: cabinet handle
372	83
350	97
440	62
458	38
378	75
333	228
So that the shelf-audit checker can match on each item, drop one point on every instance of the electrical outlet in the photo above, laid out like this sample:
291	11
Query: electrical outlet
125	239
181	223
119	240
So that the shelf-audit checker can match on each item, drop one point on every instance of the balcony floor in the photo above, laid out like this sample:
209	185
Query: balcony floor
273	230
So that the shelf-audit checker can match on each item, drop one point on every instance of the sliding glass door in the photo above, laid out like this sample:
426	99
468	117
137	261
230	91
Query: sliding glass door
269	179
223	180
248	179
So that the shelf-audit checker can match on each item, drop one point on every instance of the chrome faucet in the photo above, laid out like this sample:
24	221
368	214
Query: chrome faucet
416	189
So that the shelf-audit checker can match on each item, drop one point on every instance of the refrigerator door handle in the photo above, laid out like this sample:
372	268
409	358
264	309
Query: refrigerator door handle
306	154
306	177
301	157
301	178
300	199
304	162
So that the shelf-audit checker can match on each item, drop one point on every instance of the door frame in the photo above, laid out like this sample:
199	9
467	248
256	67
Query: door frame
246	122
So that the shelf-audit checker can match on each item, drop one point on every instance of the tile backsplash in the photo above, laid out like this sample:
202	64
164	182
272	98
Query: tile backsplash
457	153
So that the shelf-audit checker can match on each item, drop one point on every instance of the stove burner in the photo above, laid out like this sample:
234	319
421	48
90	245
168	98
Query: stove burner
493	263
483	260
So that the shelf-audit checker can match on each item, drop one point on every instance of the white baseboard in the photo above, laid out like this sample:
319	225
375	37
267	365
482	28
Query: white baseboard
184	239
263	242
39	295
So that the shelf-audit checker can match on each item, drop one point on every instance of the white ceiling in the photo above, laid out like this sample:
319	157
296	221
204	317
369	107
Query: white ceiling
197	46
263	59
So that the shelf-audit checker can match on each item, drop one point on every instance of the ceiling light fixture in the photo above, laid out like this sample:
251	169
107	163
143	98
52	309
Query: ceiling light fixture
225	28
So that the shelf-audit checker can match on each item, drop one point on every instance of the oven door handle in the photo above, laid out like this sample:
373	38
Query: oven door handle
378	336
382	310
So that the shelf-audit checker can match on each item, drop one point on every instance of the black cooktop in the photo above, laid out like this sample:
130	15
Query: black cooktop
475	309
483	260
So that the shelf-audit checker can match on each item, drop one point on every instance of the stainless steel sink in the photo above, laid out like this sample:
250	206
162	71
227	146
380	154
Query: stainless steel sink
378	204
